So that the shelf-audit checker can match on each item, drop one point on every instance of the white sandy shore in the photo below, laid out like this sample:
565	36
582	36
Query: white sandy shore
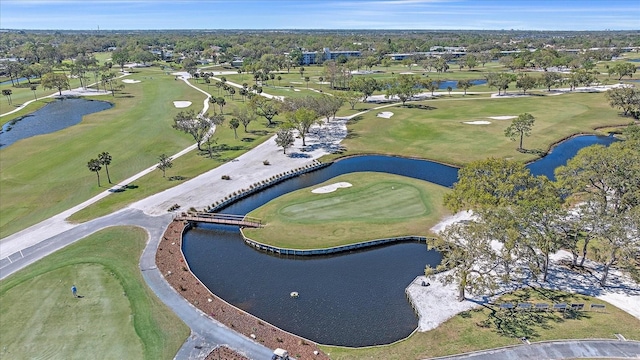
181	104
331	187
437	303
385	114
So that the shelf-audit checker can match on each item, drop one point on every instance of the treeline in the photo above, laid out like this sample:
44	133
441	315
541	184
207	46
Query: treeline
54	46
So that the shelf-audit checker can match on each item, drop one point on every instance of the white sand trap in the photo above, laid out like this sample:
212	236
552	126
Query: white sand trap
506	117
331	188
181	104
478	122
130	81
296	89
385	114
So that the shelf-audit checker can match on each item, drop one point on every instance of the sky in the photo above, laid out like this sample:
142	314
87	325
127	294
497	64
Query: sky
321	14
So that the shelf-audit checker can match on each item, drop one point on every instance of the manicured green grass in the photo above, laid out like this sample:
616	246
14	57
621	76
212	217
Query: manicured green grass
117	317
440	134
46	174
489	327
376	206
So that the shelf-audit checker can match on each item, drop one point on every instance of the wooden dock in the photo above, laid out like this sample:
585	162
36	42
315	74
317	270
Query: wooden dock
222	219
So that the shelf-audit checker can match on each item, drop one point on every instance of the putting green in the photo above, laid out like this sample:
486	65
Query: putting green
376	206
384	201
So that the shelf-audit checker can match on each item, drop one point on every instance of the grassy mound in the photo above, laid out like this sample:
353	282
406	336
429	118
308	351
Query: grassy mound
117	317
376	206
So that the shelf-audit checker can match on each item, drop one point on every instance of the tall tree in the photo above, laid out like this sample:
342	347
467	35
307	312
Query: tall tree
34	88
626	99
197	126
164	162
520	127
233	124
265	108
464	84
284	139
526	82
105	159
623	69
468	256
606	180
94	165
404	87
365	85
302	120
488	183
245	115
7	93
55	81
550	79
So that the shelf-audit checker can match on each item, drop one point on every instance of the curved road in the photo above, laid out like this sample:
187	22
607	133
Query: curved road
570	349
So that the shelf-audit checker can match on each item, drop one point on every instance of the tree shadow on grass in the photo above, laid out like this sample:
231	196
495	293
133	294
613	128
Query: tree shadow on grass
419	106
354	120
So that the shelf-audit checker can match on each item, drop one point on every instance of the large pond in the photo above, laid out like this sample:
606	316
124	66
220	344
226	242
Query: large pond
352	299
52	117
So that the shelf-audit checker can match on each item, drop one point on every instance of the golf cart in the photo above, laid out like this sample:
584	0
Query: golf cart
280	354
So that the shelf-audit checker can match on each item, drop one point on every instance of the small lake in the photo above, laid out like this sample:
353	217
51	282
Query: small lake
52	117
454	84
351	299
15	81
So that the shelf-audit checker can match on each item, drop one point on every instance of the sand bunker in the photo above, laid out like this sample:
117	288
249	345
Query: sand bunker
331	188
506	117
385	114
181	104
130	81
478	122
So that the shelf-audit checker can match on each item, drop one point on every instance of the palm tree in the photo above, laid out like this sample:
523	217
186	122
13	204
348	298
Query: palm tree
33	88
7	93
306	78
233	124
221	102
105	159
94	165
164	163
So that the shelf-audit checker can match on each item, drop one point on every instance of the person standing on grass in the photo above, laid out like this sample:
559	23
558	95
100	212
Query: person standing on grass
74	291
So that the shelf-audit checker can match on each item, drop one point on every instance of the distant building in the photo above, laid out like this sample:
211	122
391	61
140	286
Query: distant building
332	55
309	57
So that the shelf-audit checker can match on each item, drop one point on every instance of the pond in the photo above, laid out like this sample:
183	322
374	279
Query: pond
351	299
454	84
52	117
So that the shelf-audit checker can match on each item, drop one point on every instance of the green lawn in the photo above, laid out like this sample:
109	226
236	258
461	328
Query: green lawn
376	206
46	174
489	327
438	133
118	316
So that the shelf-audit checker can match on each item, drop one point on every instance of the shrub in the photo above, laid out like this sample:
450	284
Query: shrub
226	177
266	162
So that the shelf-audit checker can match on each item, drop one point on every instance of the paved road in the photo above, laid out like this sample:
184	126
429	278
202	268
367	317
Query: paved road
206	332
574	349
